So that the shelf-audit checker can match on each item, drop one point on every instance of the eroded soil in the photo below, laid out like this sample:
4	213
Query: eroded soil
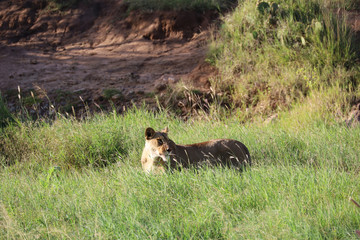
99	52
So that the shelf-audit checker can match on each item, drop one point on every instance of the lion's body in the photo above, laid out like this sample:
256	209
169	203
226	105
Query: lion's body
160	152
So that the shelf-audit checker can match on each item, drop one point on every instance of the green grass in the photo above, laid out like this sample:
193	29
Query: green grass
51	185
71	179
105	139
271	59
123	203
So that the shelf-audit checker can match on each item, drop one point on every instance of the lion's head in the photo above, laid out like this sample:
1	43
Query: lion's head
158	144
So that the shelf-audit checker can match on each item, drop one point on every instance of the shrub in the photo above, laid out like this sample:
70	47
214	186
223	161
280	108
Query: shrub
271	56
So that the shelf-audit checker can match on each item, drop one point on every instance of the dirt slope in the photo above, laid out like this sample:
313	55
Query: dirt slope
99	51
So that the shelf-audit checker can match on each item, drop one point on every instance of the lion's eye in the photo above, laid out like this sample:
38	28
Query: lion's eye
160	142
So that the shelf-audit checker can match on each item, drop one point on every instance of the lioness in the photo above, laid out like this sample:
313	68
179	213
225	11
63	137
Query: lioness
160	153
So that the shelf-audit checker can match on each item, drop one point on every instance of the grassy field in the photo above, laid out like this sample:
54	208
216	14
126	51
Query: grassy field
82	179
51	185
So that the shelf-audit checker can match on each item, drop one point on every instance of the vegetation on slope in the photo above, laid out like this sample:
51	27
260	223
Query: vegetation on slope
274	55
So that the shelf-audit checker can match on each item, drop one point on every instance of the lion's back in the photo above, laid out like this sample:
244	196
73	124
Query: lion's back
226	150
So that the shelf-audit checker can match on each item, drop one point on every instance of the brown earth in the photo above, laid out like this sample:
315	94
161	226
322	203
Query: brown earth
99	52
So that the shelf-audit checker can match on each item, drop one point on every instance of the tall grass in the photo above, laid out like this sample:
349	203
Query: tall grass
106	139
71	179
273	58
298	187
122	203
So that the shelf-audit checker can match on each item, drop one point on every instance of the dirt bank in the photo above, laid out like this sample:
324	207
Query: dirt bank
99	52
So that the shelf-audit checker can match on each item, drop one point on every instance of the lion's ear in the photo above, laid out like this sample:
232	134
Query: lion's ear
165	130
149	133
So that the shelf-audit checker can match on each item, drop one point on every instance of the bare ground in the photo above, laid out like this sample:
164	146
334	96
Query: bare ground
99	52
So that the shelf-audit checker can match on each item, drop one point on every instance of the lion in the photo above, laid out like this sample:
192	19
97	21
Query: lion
161	153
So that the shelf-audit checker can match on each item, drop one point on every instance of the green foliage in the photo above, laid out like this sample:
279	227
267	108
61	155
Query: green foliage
273	55
111	138
57	179
298	187
5	115
122	203
68	143
200	5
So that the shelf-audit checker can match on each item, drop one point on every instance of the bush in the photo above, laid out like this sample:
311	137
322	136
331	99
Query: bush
271	56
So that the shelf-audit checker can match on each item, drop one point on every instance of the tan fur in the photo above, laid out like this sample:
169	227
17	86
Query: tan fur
161	153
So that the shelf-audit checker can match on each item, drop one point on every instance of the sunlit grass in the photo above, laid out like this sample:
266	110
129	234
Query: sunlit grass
71	179
120	202
271	60
110	138
83	179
